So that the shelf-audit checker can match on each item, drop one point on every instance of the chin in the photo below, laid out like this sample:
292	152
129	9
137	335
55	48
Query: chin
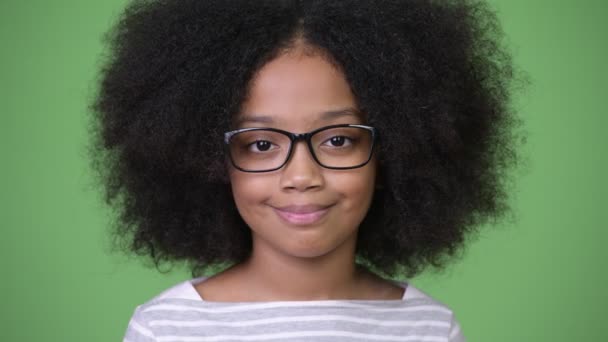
311	249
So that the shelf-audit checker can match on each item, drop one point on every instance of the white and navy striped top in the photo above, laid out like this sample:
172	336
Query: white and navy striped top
180	314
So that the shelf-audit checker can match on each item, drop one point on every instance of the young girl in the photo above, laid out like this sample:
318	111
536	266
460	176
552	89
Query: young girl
311	150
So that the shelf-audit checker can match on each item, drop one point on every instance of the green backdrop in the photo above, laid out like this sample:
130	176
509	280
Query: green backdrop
538	278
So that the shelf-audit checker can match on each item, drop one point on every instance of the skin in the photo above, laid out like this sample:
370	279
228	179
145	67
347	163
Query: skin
294	261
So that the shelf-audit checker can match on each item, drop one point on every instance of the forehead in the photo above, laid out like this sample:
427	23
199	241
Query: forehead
297	91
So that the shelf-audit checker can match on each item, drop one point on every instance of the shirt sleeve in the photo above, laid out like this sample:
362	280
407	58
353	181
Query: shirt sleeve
455	334
138	331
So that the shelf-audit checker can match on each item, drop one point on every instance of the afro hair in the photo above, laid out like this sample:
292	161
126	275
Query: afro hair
433	77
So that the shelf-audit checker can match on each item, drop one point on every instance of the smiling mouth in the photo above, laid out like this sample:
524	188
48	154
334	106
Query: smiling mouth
302	215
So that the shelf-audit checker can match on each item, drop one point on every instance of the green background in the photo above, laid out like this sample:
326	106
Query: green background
540	277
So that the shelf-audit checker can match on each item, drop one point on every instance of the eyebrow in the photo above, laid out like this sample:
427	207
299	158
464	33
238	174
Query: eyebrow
325	116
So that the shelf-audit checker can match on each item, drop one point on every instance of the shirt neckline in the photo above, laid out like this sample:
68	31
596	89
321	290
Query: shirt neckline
186	290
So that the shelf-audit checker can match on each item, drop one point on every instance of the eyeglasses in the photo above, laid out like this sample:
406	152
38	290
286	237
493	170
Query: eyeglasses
336	147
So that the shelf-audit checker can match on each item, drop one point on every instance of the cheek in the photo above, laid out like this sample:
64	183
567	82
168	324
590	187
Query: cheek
248	190
356	189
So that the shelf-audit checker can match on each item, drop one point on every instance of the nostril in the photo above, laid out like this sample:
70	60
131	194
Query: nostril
301	173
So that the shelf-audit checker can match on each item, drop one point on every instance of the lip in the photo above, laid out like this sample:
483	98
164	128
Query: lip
302	215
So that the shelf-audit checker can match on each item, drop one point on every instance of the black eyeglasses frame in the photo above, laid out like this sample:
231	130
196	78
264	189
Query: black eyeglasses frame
294	138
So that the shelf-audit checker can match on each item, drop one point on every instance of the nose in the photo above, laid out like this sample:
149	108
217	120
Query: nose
301	173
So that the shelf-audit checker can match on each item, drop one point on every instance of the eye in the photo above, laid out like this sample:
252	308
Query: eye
260	146
338	141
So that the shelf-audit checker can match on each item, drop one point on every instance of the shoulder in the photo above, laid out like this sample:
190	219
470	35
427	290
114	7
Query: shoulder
170	303
413	293
183	290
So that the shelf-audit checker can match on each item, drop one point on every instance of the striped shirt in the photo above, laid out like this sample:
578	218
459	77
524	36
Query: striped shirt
179	314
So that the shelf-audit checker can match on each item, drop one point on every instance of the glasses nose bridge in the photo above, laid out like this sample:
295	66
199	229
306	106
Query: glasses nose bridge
303	137
295	137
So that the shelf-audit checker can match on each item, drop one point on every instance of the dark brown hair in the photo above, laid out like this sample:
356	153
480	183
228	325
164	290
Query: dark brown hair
431	76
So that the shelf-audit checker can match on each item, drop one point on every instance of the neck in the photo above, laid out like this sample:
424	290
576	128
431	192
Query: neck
274	275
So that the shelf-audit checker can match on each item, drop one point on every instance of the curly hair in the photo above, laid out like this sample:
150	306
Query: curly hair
432	76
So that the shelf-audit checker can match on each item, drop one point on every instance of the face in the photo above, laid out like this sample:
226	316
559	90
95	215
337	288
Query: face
302	210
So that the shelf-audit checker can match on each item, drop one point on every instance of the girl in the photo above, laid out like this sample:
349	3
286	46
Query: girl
304	152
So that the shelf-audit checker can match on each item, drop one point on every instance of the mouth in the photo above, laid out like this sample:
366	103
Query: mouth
302	215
